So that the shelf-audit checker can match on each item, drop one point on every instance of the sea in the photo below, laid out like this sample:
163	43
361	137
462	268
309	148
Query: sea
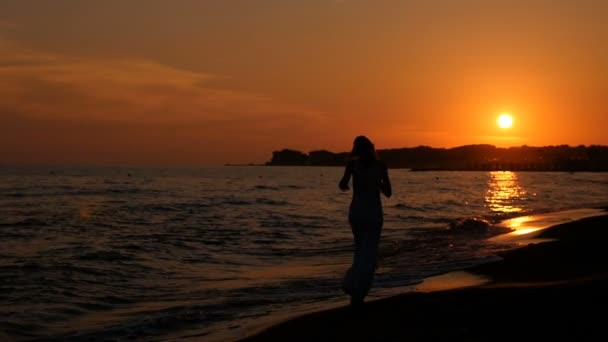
214	253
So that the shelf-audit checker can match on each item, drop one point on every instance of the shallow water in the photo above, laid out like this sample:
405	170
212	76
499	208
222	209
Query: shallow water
160	253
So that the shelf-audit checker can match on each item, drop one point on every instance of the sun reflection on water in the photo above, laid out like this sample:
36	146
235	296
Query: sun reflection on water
522	225
504	192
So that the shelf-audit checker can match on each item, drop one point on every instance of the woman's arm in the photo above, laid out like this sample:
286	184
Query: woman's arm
348	171
385	182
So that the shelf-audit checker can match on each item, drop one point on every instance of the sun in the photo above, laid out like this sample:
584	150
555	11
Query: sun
505	120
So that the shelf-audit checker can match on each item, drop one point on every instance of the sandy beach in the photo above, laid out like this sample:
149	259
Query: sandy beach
553	287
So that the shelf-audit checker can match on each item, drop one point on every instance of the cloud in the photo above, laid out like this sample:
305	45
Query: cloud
52	86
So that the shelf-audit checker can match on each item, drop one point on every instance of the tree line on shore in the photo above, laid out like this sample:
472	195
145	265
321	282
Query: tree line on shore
468	157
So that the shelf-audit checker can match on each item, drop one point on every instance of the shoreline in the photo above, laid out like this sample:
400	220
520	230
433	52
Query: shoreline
422	170
548	286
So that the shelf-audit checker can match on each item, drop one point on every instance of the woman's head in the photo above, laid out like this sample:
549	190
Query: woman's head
364	149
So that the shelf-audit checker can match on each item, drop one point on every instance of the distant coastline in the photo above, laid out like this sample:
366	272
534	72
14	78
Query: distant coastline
244	164
561	158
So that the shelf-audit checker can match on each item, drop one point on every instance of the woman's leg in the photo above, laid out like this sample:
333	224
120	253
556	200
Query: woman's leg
350	277
367	238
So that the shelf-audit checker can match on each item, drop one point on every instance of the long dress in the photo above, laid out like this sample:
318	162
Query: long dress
366	218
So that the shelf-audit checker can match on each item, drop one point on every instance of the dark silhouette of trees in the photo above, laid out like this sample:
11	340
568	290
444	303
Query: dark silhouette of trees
289	157
469	157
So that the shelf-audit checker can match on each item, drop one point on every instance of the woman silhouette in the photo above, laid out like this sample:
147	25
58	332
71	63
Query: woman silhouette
370	177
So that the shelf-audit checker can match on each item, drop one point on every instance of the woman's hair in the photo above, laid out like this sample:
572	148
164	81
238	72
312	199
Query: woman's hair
364	149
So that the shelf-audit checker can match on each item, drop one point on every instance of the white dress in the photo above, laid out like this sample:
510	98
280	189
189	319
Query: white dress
366	218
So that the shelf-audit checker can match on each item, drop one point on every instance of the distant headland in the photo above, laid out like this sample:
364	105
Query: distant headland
466	158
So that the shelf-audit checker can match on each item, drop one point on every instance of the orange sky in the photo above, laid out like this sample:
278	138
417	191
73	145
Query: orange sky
229	81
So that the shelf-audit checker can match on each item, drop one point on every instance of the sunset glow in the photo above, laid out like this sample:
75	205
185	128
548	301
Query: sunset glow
231	81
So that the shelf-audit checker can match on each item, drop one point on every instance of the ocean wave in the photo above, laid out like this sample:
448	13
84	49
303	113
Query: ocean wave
266	187
268	201
76	192
289	186
475	226
278	187
425	218
27	222
282	223
108	255
145	325
14	194
86	259
251	202
236	202
405	206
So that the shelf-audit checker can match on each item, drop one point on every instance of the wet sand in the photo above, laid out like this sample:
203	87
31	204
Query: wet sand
554	288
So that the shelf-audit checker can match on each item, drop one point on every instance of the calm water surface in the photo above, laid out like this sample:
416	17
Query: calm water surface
111	253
